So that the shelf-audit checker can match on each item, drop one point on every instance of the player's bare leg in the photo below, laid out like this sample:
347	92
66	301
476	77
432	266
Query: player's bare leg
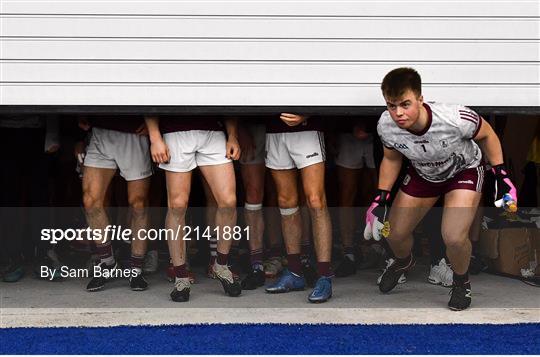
460	207
137	192
222	183
291	224
210	218
178	189
291	221
253	176
313	185
273	265
407	211
95	186
95	183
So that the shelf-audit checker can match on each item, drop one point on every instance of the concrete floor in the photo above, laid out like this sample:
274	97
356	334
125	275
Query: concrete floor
33	302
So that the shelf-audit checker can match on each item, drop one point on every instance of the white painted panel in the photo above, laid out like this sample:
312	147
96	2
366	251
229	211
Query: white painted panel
402	51
485	8
262	72
309	95
267	28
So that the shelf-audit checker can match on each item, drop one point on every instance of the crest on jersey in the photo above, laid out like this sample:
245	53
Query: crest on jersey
444	143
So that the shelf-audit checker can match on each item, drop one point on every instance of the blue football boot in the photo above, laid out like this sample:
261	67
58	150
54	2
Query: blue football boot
322	291
287	282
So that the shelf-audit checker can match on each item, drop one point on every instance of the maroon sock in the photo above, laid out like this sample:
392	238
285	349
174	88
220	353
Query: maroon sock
222	259
274	252
105	252
294	264
256	258
136	262
180	271
305	250
324	269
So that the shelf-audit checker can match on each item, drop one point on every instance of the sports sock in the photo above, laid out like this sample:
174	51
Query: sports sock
222	259
460	280
255	258
324	269
105	253
136	262
180	271
294	264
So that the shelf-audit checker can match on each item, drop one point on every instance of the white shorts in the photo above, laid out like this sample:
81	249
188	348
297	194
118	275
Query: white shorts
354	153
111	149
294	150
193	148
258	133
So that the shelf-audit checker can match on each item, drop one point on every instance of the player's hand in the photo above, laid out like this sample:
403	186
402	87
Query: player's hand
160	151
247	144
79	150
142	130
505	191
292	119
233	148
376	216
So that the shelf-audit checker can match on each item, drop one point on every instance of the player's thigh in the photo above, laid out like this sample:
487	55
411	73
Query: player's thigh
286	187
460	208
407	211
253	176
138	192
348	180
222	182
178	188
313	184
95	183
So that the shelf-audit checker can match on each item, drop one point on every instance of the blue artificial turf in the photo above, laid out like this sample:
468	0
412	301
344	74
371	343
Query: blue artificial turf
275	339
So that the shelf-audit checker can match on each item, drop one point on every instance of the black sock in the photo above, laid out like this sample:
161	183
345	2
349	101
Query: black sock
460	280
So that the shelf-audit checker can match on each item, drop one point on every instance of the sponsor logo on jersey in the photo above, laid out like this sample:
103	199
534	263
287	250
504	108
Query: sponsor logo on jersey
434	163
422	142
444	143
401	146
312	155
406	180
468	182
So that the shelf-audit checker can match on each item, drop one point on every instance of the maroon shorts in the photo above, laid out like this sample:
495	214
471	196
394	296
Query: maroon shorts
468	179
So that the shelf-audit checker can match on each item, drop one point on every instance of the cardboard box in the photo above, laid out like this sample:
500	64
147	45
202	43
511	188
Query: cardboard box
535	249
507	250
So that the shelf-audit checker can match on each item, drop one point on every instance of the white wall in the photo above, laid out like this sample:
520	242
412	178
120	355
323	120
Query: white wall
480	53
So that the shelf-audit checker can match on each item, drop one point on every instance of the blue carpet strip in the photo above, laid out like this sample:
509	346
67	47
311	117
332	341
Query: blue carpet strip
275	339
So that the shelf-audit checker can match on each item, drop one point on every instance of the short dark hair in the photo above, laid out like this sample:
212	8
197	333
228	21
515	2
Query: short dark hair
399	80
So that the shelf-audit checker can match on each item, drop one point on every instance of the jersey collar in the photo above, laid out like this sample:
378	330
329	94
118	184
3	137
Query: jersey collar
429	120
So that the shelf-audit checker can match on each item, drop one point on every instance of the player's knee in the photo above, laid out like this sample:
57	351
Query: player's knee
254	194
227	201
137	201
287	202
316	200
92	201
454	239
177	203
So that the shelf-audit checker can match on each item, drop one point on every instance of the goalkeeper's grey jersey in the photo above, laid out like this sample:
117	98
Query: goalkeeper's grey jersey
444	148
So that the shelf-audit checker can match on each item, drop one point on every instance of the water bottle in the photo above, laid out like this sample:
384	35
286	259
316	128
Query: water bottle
508	203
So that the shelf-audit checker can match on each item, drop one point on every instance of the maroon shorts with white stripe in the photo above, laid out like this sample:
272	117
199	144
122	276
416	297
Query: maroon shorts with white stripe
468	179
